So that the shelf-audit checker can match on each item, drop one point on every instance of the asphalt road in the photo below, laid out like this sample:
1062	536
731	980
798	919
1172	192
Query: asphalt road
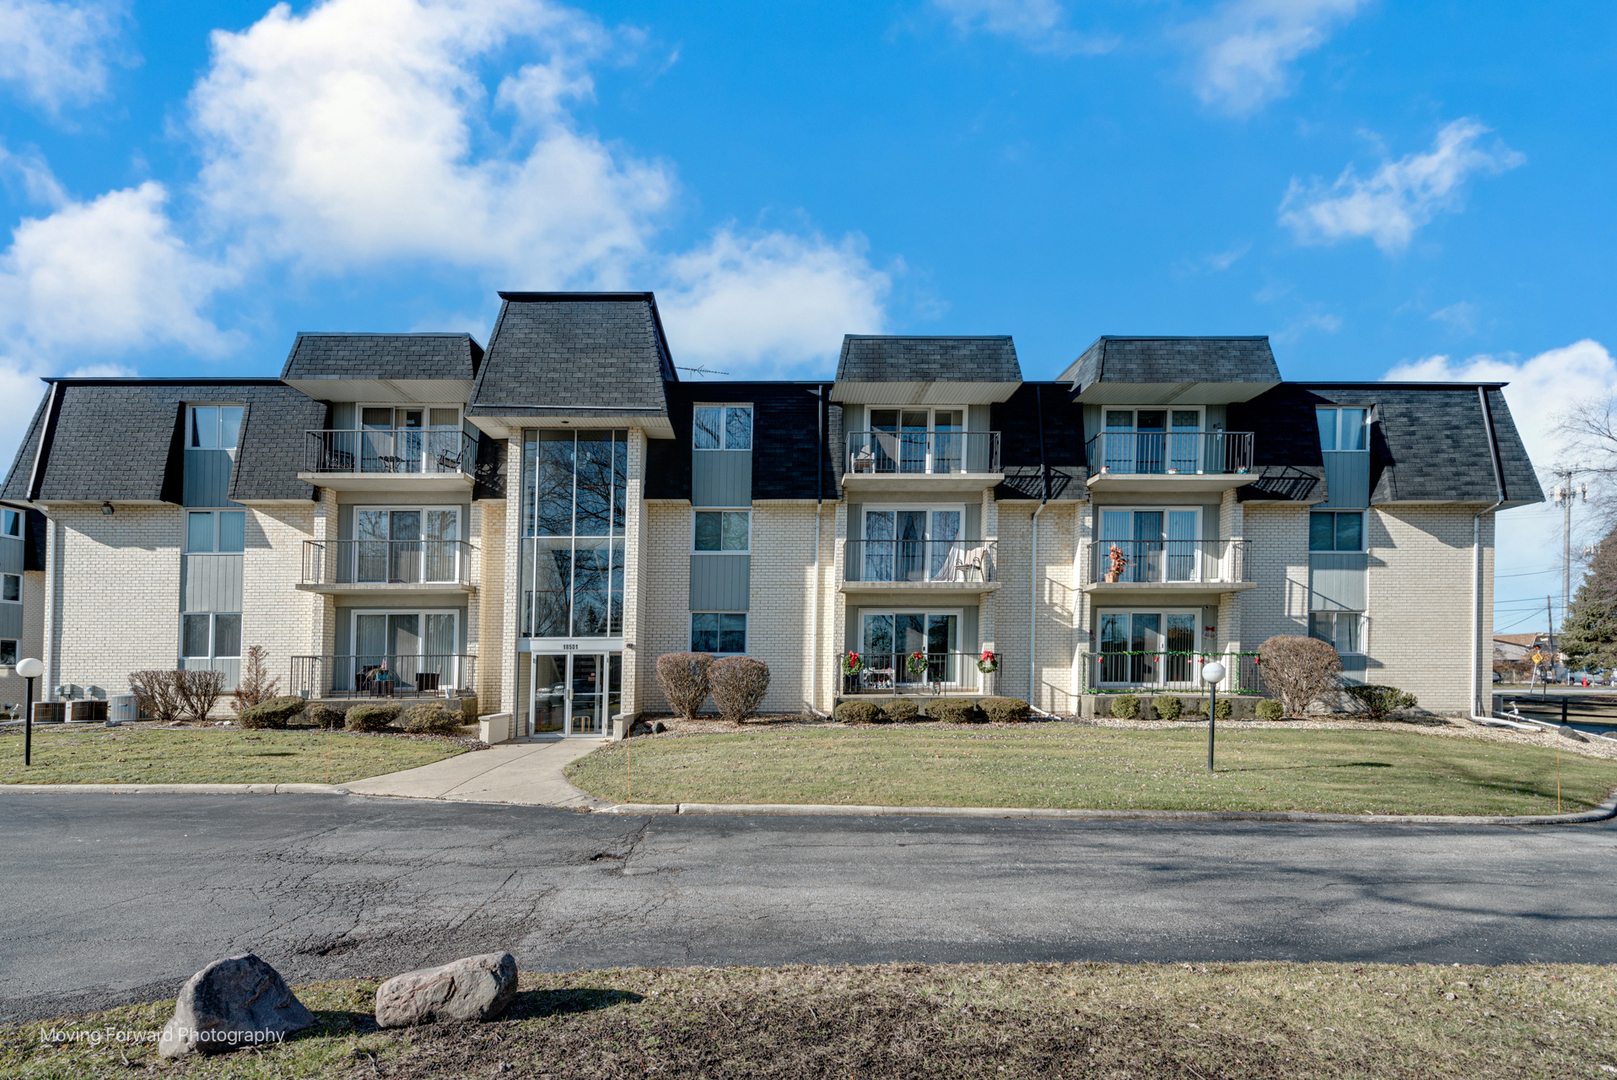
111	898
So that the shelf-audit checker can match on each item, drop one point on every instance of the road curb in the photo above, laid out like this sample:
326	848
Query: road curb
1603	812
175	789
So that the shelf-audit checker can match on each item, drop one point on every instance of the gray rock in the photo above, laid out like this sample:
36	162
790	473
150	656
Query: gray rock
236	1002
472	988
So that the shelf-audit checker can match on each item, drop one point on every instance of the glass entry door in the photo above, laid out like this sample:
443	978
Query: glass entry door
573	693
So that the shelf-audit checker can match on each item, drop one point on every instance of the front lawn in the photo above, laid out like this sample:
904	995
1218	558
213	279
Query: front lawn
1069	765
144	755
1259	1021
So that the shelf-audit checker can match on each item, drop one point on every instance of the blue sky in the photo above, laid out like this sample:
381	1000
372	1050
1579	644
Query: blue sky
1405	190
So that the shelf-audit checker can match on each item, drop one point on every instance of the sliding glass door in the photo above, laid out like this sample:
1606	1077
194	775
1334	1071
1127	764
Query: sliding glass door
1149	648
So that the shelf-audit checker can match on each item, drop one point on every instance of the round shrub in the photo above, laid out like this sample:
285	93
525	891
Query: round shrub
857	712
1167	707
1269	710
739	684
954	712
902	711
1005	710
1224	709
1126	707
429	718
683	679
370	717
324	716
275	713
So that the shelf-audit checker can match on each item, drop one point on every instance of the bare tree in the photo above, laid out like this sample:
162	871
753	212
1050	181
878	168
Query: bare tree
255	684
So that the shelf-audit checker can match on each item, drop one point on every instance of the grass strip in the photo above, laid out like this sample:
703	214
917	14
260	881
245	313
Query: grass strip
1231	1021
1069	765
136	755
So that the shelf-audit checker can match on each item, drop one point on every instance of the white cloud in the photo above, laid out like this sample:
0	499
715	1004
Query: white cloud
1039	24
1246	48
58	53
1399	197
1460	317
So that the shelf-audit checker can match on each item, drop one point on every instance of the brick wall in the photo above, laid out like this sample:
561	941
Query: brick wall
1060	603
273	613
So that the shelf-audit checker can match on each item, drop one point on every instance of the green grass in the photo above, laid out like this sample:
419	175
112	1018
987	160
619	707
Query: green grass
1178	1022
1066	765
210	756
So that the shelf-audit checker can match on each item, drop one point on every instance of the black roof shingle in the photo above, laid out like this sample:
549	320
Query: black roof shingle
1176	360
383	356
878	358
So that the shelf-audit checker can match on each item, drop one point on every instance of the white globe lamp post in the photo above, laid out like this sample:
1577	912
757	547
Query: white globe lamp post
30	669
1212	675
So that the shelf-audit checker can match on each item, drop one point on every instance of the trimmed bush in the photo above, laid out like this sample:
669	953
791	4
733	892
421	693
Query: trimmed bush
429	718
1269	710
902	711
856	712
1125	707
370	717
739	684
199	691
1005	710
1167	707
324	716
1379	702
1224	709
1299	670
683	678
274	713
954	711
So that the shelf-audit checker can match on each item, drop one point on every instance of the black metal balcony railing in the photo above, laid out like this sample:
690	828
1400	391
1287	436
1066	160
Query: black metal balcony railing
941	561
381	450
380	675
390	562
1142	561
1167	452
922	453
892	673
1110	671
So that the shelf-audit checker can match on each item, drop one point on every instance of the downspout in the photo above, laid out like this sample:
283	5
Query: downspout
1033	599
819	517
1478	715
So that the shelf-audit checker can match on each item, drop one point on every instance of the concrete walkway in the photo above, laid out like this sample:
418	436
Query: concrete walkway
526	772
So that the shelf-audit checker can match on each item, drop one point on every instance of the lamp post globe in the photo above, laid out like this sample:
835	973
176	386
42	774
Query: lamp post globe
1213	672
29	668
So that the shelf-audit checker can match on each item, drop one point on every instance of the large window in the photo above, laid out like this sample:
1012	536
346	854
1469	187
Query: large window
1343	629
1149	648
1334	530
722	427
724	530
1343	429
11	522
210	636
574	505
8	653
214	427
1153	440
718	632
1156	544
11	588
405	545
892	638
215	530
912	544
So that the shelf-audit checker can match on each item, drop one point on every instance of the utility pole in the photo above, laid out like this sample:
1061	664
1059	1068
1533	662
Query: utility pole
1564	495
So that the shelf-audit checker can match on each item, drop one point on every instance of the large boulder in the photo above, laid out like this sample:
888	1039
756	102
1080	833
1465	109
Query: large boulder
231	1003
472	988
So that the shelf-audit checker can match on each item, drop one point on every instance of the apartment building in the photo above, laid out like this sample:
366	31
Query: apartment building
534	523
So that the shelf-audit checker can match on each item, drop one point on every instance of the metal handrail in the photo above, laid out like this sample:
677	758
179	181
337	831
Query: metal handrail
922	453
1167	670
361	674
888	672
1189	561
1169	452
404	451
938	561
392	562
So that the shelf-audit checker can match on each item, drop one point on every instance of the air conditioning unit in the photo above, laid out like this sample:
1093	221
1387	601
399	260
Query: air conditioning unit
122	707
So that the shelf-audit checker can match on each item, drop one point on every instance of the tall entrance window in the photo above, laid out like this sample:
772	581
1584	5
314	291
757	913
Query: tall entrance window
918	440
892	638
1153	440
419	544
1159	544
1148	648
921	544
574	503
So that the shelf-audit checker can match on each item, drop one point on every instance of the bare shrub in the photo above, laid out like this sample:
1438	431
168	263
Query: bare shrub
1380	702
429	718
739	684
155	693
198	691
1299	670
683	677
255	684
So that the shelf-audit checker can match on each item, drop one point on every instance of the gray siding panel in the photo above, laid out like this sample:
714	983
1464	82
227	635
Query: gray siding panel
721	477
720	582
1347	479
11	555
207	478
229	667
1336	581
968	636
974	522
10	621
210	582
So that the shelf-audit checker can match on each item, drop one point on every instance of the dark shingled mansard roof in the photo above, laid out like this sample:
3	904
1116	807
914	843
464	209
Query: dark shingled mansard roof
1177	360
562	354
383	356
874	358
784	426
122	439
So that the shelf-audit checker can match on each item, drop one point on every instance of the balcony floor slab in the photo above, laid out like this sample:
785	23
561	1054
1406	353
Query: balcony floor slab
927	588
391	483
400	590
1112	483
1146	588
972	484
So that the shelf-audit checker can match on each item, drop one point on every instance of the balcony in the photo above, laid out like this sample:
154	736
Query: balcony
888	675
391	677
1133	670
391	567
930	566
931	461
416	460
1140	462
1134	567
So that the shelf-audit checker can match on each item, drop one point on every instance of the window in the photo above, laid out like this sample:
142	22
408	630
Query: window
8	654
1149	648
718	632
11	523
1343	629
726	530
1343	429
216	530
723	427
1159	544
214	427
1336	531
11	588
919	544
1155	441
210	636
574	505
404	545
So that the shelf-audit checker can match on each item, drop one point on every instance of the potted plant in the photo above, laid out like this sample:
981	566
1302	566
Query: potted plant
1118	563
